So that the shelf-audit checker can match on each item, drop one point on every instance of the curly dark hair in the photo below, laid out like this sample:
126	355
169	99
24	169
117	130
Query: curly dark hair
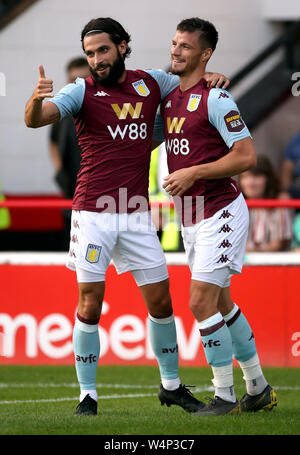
107	25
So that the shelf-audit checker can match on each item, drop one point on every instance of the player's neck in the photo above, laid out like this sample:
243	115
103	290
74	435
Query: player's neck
123	77
189	80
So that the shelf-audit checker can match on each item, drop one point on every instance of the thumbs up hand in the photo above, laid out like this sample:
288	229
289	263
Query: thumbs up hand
44	86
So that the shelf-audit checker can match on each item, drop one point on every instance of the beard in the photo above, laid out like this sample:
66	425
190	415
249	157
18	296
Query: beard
190	66
116	71
177	72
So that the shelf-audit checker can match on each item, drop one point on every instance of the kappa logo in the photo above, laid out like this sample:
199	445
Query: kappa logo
175	124
225	214
101	93
93	253
223	259
225	244
141	88
225	228
126	109
169	104
223	95
193	103
76	224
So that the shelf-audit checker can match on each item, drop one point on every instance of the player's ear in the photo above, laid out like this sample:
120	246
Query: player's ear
122	47
206	54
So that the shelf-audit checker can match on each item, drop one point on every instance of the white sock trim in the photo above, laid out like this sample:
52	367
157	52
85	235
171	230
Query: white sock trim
89	328
162	320
223	376
92	393
230	315
226	393
170	384
251	368
212	320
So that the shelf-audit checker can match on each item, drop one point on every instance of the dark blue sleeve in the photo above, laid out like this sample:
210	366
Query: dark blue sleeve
292	151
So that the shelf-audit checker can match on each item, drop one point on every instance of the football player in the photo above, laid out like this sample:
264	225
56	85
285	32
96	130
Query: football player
114	111
207	143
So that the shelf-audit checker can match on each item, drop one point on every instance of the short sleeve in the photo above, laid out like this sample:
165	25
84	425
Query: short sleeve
70	98
225	116
167	82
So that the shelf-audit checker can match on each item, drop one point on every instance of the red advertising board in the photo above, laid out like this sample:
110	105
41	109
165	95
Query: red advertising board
38	305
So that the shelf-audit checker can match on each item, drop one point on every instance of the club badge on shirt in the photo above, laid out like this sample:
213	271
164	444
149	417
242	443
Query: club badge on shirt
141	88
193	103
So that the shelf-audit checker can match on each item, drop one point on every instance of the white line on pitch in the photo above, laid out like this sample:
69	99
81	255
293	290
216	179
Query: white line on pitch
103	397
17	385
117	396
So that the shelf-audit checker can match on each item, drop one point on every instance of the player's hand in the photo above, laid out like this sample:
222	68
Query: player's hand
44	87
216	80
179	181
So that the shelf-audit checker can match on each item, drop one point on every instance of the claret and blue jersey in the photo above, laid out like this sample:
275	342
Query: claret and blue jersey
200	125
114	129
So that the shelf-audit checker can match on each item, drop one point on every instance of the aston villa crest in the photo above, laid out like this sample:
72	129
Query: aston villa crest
93	253
193	102
141	88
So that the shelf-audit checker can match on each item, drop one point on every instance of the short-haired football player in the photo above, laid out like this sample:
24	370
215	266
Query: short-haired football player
207	142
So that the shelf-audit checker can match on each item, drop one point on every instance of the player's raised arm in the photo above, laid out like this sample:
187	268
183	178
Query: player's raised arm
37	113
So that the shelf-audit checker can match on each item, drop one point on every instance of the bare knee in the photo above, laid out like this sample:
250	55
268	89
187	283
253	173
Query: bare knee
158	299
203	299
90	300
199	302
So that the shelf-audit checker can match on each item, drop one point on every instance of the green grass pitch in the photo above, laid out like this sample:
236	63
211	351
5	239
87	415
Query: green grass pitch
40	400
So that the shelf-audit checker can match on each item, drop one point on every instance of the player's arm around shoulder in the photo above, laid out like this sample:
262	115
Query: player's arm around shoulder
37	113
217	80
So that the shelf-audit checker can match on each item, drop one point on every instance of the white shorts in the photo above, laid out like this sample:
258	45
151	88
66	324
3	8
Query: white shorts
130	240
215	247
